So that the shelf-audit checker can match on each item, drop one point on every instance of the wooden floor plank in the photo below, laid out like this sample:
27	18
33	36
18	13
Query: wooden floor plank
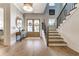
35	47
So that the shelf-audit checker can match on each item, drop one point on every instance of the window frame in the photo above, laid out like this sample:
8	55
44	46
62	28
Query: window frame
3	11
33	25
51	4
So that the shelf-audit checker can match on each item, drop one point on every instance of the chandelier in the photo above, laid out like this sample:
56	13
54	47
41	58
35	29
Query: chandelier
28	7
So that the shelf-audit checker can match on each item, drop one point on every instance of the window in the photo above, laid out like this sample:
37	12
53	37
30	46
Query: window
51	22
30	25
36	25
33	25
1	19
51	11
30	29
51	4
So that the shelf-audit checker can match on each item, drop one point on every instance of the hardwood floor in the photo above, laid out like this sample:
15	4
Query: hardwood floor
35	47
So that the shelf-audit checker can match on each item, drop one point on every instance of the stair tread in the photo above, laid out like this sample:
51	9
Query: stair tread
52	32
55	38
51	45
57	45
57	42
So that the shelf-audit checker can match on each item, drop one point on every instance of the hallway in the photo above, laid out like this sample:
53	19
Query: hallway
35	47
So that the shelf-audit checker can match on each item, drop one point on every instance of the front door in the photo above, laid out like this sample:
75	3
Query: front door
33	28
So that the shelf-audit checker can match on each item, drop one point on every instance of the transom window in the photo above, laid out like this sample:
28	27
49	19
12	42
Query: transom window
51	4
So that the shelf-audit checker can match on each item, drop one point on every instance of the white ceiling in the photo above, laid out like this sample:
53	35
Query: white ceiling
37	7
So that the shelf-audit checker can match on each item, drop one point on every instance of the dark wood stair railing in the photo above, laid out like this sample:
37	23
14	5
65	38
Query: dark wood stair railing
68	7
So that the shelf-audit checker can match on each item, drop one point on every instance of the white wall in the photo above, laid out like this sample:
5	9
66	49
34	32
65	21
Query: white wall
37	16
6	35
42	17
9	21
70	30
45	16
10	13
13	29
34	16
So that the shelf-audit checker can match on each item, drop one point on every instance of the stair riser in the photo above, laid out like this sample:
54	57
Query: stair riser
55	40
53	32
55	36
57	45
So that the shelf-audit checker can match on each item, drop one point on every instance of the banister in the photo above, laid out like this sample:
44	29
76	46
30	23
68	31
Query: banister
65	12
62	9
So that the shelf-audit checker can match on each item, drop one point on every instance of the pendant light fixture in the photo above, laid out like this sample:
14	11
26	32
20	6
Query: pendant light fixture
28	7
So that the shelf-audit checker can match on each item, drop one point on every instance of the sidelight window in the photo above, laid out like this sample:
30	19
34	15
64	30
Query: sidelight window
1	19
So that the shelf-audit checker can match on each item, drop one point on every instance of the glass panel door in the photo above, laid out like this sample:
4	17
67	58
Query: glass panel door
33	25
36	25
36	28
30	25
33	28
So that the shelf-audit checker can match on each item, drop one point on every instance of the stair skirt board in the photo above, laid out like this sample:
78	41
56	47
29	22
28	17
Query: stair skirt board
53	35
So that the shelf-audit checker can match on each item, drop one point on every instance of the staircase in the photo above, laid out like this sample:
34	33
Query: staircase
69	28
54	39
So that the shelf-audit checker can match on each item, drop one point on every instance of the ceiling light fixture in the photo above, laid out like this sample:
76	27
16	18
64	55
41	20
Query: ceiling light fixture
28	7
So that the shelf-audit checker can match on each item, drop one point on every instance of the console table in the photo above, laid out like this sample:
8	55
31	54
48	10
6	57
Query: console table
20	35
